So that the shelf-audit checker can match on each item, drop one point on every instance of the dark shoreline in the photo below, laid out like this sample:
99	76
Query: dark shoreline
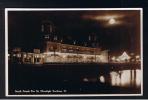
62	77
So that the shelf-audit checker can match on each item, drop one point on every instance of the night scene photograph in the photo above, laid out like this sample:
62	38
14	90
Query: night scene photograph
73	52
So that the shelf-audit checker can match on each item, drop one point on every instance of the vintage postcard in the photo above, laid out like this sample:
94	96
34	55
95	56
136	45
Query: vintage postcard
73	52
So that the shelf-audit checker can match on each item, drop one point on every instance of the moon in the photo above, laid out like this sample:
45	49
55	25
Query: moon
112	21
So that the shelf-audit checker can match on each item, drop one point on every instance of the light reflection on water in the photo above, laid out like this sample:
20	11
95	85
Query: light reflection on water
126	78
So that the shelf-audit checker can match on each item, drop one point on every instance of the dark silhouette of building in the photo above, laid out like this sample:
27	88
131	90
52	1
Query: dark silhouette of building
93	40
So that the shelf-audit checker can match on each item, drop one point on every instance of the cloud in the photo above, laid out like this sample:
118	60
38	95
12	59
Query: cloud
102	17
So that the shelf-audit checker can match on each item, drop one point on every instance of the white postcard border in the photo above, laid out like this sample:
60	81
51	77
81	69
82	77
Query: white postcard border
68	9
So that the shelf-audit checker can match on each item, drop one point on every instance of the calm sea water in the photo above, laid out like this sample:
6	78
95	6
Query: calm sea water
73	79
124	78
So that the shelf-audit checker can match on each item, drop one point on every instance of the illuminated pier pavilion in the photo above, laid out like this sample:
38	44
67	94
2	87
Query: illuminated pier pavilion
61	53
54	50
58	52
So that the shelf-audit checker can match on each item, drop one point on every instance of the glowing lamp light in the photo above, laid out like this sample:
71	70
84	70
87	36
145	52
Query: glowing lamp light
85	80
43	56
25	55
113	58
124	57
137	57
37	56
118	59
18	55
102	79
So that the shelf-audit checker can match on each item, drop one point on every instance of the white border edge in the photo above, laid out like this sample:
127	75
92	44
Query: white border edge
141	45
68	9
6	52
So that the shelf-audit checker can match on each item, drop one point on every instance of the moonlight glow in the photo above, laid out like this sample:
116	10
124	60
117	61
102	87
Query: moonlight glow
112	21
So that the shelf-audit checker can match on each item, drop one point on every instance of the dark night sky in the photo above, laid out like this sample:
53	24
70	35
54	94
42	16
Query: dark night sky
25	28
